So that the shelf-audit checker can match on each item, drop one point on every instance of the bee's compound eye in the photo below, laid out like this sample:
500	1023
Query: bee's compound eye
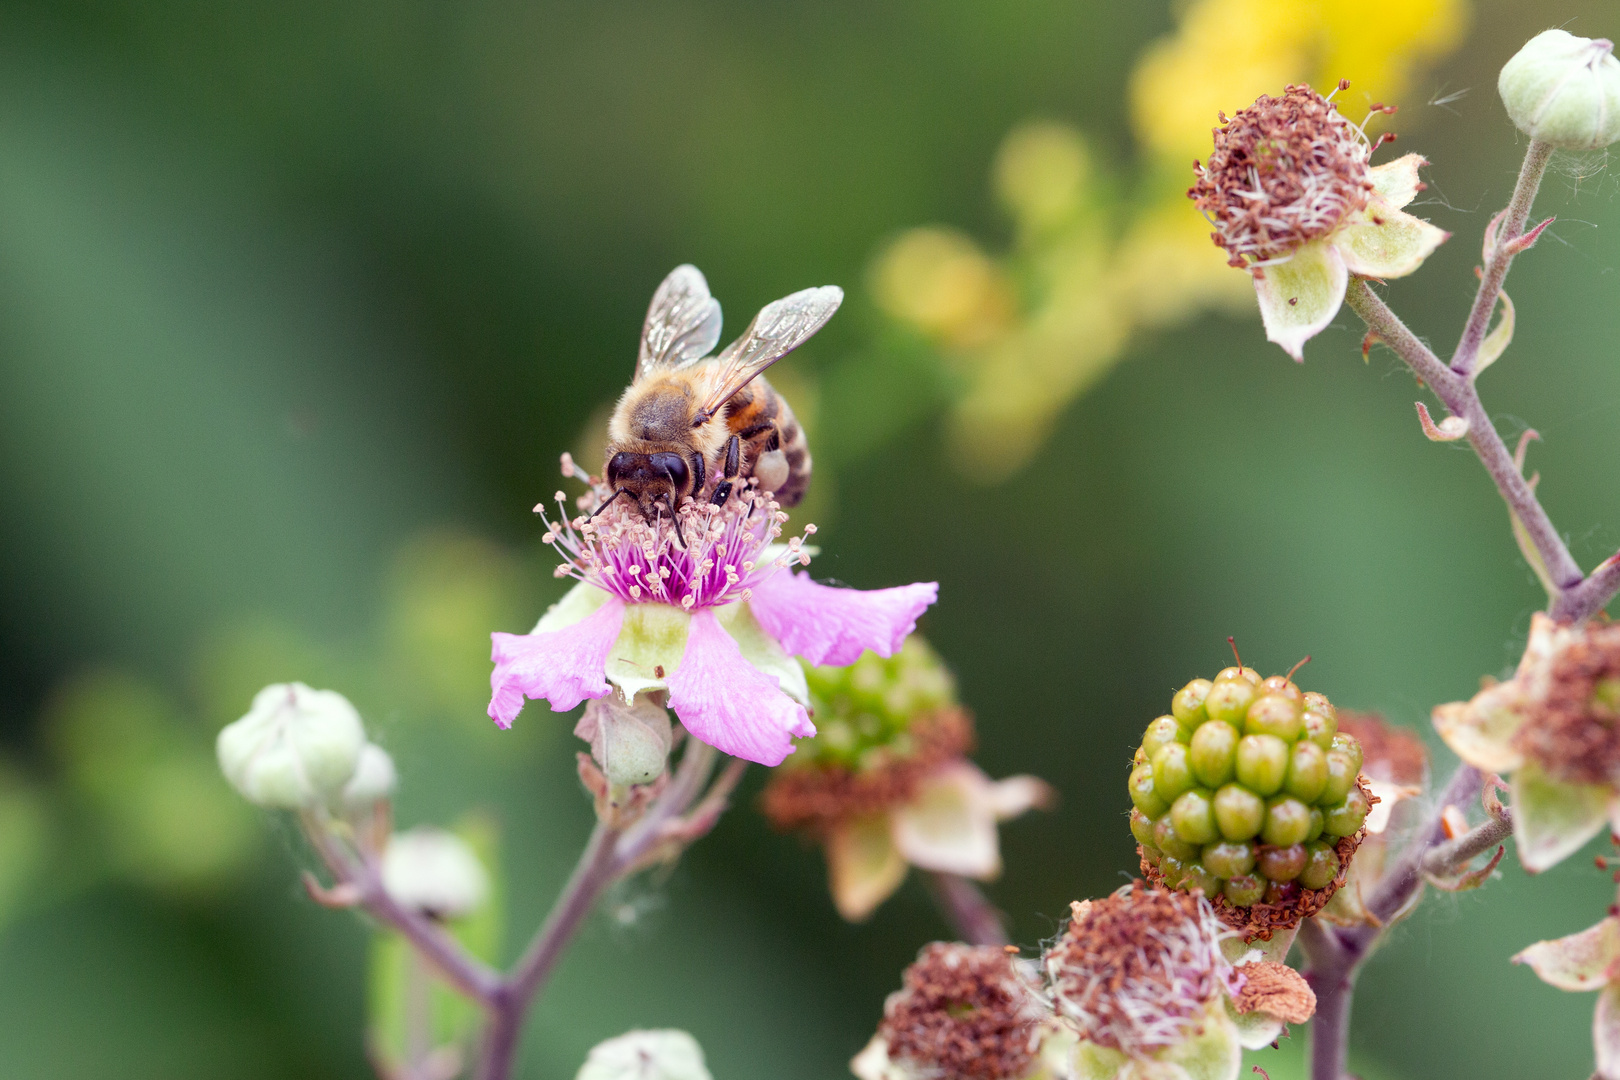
672	466
618	465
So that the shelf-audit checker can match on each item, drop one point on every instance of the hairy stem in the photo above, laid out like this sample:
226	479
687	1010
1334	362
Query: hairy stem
609	855
1447	858
967	910
462	970
1495	270
1574	596
1335	954
1461	397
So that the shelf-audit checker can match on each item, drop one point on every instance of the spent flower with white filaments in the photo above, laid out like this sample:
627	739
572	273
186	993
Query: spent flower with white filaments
1144	980
1144	983
702	605
1294	200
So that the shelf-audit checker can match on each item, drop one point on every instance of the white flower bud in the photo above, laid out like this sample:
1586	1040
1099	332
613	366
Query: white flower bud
646	1055
1564	90
630	743
374	778
295	748
435	872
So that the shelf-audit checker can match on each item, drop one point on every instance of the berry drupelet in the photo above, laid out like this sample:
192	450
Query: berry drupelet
1247	793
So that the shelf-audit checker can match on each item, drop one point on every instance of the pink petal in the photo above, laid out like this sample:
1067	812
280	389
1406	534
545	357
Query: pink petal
728	703
828	625
564	667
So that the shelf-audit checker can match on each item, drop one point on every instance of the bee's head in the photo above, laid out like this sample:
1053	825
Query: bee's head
655	481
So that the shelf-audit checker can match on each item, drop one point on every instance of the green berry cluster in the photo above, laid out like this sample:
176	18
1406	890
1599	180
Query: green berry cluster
1245	788
866	709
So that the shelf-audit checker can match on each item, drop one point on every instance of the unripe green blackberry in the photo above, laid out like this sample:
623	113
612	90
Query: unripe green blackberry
1247	793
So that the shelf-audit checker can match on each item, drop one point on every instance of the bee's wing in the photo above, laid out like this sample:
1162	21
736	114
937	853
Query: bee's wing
780	327
683	323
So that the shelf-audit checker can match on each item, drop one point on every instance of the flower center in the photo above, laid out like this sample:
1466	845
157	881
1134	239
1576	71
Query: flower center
965	1012
1574	731
704	556
1136	970
1284	171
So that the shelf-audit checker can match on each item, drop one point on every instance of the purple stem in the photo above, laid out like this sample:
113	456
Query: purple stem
461	969
609	855
1575	596
1335	954
1536	157
967	910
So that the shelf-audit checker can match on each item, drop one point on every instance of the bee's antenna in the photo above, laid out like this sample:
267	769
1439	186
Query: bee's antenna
1233	642
608	501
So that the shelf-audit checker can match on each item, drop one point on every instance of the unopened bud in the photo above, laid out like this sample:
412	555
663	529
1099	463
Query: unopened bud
629	742
295	748
374	778
1564	90
646	1055
435	872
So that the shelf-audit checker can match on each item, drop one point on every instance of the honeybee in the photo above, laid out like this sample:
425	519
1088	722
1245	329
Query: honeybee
689	419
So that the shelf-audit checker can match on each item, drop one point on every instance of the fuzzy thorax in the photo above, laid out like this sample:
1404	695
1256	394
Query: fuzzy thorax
706	556
1284	171
1138	970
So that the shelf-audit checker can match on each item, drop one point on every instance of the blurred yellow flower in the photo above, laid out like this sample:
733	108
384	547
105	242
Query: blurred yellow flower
1027	332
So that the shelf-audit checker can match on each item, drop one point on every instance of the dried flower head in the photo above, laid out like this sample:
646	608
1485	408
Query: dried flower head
965	1012
1555	727
1284	171
1138	970
1295	202
1572	729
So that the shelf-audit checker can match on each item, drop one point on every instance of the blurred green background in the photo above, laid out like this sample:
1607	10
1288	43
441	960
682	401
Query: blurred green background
300	302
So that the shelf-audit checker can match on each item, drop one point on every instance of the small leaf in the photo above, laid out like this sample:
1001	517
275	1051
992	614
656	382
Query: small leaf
1450	429
1497	341
1524	243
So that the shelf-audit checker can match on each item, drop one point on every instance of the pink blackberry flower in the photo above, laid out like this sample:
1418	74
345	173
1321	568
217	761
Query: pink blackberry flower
706	608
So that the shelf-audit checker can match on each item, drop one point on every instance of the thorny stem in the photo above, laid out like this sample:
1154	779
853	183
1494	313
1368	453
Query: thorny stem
609	855
460	969
1462	398
967	910
682	813
1495	271
1574	596
1335	954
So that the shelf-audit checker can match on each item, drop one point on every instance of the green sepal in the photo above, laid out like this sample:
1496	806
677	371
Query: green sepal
1553	819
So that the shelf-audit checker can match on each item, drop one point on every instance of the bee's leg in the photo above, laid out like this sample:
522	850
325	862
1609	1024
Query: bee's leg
700	474
729	469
